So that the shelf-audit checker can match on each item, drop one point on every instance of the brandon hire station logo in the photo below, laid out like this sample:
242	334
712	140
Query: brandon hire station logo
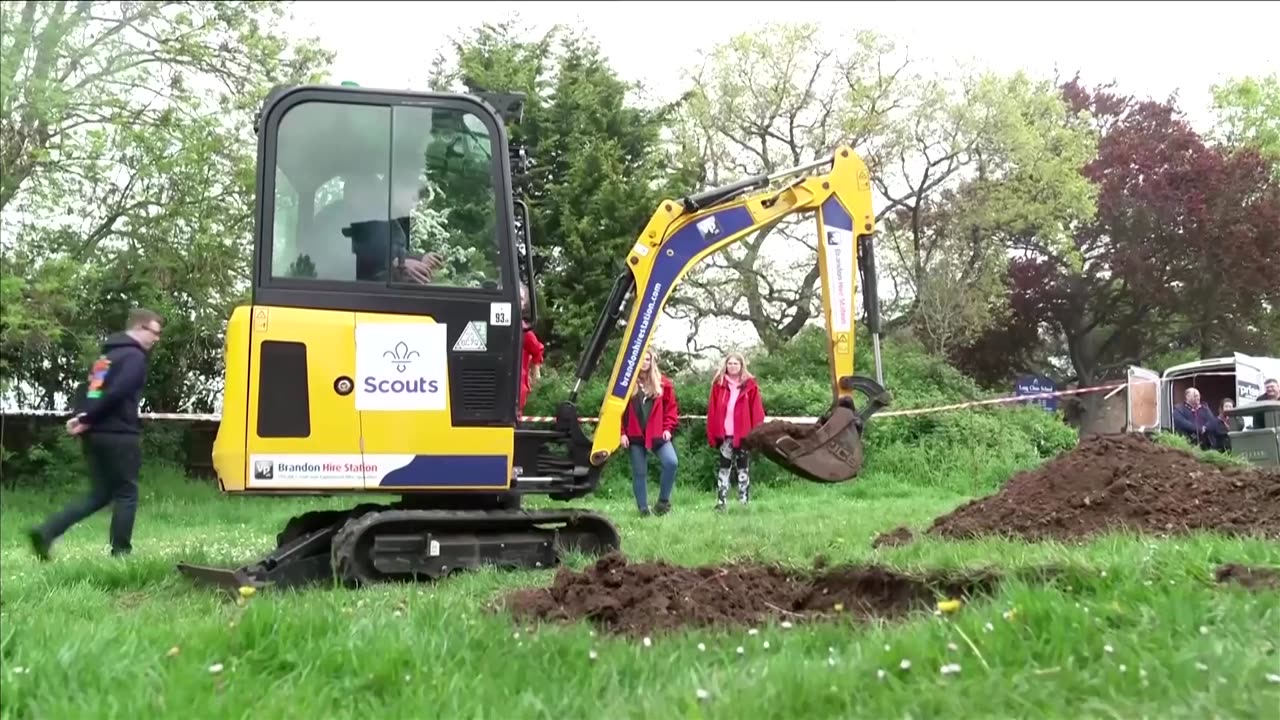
263	469
401	356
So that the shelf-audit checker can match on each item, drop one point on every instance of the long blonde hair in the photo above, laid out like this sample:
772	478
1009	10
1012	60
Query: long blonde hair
743	376
651	380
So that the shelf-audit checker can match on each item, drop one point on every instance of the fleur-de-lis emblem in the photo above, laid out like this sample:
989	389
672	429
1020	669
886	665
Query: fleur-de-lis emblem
401	356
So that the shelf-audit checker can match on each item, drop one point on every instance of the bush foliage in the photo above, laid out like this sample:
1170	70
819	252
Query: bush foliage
966	451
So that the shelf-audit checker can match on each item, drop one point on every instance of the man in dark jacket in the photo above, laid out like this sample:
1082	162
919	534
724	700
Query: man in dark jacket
106	420
1194	421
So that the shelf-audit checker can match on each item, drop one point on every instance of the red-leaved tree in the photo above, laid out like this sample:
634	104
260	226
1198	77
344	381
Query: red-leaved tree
1184	251
1017	339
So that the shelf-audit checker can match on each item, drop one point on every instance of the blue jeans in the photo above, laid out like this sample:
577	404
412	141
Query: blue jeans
666	453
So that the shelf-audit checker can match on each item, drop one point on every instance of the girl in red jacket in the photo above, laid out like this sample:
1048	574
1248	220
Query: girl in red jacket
647	425
531	351
733	410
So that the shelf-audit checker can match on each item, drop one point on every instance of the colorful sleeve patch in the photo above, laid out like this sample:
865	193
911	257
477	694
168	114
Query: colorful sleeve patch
98	377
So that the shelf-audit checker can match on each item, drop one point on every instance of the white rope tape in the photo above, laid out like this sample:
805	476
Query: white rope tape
213	417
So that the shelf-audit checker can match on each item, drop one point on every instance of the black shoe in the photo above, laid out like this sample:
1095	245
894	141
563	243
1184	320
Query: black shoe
38	543
644	512
662	508
121	553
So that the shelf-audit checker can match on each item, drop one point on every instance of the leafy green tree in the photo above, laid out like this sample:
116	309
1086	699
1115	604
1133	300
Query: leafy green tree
598	169
959	164
998	159
1248	110
127	141
763	101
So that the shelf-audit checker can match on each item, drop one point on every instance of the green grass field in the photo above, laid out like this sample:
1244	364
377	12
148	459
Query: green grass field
1136	628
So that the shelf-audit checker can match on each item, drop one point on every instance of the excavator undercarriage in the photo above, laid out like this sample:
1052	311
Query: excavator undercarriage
429	536
380	543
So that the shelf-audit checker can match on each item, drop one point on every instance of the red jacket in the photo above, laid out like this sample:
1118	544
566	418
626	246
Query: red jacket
531	355
664	417
748	411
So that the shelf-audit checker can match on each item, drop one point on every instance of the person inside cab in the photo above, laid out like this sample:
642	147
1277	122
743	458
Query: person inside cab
351	239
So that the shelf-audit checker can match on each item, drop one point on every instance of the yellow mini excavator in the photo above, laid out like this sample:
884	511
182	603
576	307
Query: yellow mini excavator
381	351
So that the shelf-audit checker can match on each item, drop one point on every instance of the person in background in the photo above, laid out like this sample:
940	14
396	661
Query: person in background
734	409
531	351
1220	438
1232	424
1193	420
648	424
106	421
1270	390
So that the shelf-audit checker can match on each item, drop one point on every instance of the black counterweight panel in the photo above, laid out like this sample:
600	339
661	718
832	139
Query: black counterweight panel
284	405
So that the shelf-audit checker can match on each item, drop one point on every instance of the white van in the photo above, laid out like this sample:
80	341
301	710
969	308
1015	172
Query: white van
1151	397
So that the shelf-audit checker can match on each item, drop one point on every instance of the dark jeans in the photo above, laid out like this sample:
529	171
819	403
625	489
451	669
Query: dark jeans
666	453
114	461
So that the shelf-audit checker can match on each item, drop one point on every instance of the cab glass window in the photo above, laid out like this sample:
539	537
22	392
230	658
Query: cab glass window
399	196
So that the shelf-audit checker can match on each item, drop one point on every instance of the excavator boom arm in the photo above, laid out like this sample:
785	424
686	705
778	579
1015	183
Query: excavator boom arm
681	234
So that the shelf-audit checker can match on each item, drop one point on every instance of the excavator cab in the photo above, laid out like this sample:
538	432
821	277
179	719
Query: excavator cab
381	351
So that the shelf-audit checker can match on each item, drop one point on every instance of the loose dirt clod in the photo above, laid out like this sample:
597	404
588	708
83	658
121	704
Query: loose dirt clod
1253	578
899	536
1123	482
644	599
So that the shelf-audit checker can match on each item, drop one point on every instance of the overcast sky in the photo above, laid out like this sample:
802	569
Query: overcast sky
1147	48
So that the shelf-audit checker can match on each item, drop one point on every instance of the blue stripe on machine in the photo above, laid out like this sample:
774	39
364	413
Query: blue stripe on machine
450	471
835	215
690	240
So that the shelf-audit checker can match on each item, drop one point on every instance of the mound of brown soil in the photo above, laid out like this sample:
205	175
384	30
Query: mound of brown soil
1123	482
1253	578
649	598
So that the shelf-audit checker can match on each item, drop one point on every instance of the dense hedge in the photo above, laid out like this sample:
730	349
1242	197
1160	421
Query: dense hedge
38	451
967	451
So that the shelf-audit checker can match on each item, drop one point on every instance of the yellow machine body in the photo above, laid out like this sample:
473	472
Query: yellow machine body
346	448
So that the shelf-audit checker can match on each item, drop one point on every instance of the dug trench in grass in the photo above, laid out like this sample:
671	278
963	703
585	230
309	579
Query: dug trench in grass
1106	483
1248	577
644	599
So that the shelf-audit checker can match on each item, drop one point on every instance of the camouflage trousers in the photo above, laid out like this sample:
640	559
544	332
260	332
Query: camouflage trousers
734	463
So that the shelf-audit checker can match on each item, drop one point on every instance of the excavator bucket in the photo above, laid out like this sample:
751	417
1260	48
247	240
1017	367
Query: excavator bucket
829	451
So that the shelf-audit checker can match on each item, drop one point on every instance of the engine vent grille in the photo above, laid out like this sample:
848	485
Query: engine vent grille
479	390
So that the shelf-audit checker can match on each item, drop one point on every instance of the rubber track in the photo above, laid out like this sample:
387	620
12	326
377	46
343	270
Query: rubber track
347	565
308	522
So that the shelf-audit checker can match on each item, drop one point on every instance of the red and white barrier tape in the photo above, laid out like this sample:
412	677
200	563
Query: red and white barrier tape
213	417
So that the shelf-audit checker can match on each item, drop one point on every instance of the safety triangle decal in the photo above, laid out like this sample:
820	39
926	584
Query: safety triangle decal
472	338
